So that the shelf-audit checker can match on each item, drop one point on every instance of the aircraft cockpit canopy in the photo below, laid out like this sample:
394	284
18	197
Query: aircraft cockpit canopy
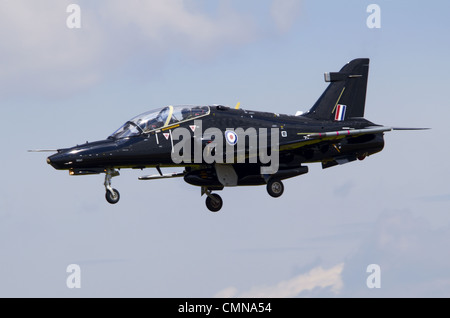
159	118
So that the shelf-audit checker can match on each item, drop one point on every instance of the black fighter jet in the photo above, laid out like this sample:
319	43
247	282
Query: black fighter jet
219	146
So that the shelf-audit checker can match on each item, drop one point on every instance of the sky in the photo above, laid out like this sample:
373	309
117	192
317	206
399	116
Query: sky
62	86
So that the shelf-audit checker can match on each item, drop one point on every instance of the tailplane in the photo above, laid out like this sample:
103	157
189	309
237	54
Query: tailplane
345	97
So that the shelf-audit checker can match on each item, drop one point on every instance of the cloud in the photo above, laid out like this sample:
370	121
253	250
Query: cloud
316	278
40	54
412	255
171	24
284	13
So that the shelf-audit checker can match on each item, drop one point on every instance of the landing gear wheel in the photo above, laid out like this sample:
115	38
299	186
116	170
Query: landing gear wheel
214	202
275	188
112	197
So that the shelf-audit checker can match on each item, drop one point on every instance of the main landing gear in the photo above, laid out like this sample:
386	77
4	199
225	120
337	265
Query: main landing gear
214	201
111	195
275	188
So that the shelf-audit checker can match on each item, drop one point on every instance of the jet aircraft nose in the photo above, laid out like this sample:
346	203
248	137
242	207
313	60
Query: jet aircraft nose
59	160
54	161
82	156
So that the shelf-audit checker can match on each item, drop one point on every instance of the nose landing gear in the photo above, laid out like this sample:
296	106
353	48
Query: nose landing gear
111	195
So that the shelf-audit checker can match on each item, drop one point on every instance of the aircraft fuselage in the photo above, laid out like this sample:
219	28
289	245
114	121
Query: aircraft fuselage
155	148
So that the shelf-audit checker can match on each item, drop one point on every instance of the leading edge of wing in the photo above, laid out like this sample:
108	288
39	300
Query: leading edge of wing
313	138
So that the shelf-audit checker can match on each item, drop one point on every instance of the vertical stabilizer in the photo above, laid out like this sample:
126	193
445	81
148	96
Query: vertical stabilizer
345	97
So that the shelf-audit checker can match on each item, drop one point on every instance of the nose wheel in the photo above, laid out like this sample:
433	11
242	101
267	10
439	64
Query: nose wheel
111	195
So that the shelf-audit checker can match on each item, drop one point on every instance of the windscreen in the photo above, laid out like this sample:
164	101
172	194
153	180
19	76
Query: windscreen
159	118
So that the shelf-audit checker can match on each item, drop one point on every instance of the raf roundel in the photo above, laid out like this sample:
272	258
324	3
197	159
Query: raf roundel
231	137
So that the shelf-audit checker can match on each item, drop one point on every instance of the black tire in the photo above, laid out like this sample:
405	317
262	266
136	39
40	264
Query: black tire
112	198
214	205
275	188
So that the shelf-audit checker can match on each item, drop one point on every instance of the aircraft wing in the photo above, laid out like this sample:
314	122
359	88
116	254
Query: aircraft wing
313	138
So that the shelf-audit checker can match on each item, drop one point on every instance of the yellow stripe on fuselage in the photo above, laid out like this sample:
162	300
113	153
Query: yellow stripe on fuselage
170	127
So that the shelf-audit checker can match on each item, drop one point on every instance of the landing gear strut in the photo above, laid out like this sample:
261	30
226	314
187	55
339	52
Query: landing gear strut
111	195
213	201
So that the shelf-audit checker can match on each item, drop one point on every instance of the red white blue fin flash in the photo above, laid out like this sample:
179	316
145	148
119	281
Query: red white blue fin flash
340	112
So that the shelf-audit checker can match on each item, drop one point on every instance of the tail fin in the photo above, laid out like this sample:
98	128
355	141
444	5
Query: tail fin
345	97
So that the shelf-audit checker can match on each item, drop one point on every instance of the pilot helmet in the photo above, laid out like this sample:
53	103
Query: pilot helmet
186	113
